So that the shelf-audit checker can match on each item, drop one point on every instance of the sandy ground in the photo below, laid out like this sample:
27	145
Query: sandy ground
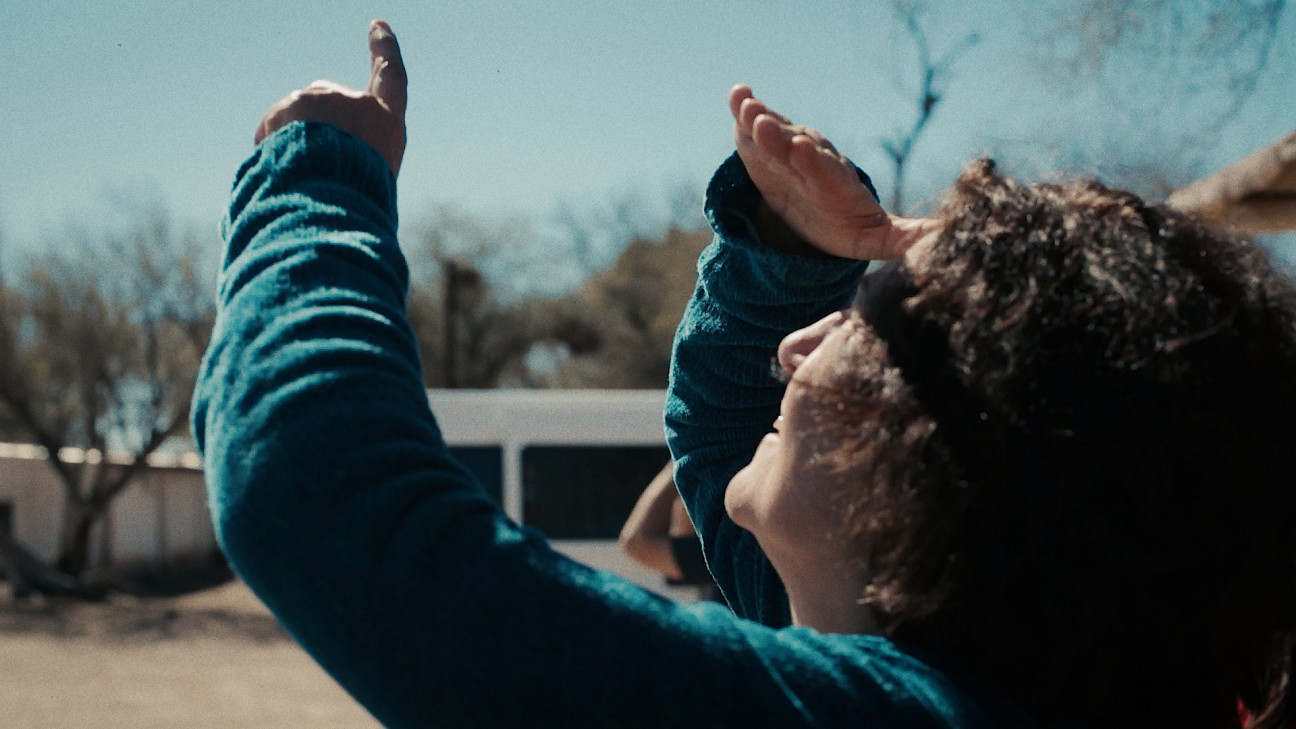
210	659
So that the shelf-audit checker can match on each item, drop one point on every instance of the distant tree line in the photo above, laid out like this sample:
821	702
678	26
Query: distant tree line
614	331
99	344
100	341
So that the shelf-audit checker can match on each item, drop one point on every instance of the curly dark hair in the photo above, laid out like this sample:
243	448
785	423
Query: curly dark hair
1079	449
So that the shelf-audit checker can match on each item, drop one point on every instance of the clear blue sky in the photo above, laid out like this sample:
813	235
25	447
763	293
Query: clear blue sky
515	105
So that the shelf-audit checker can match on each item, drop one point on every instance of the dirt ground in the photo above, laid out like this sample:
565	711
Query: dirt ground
209	659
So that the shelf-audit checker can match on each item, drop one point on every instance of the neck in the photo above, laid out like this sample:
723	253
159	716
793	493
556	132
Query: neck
828	598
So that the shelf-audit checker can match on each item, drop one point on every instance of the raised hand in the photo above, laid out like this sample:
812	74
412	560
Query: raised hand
812	188
375	115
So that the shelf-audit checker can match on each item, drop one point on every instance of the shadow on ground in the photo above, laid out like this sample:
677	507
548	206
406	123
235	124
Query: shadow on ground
195	598
133	619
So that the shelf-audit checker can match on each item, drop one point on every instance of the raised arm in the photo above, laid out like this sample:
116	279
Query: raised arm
336	501
794	223
375	115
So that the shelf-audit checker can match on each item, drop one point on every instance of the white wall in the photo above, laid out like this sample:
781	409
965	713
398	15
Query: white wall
162	514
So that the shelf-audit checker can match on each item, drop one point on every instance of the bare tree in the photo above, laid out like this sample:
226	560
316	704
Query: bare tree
634	307
487	294
933	70
449	294
597	232
99	354
1178	44
1150	86
468	337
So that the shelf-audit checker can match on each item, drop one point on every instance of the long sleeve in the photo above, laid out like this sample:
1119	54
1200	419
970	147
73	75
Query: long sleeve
723	394
335	500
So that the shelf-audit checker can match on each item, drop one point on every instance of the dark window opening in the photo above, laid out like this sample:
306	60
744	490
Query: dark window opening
585	492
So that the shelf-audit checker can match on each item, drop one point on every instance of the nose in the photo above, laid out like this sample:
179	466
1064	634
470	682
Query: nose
798	345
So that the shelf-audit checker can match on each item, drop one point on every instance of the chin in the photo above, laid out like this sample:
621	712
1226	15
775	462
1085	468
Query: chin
738	497
733	504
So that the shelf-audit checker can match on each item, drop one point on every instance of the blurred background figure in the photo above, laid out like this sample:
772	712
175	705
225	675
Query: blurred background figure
659	535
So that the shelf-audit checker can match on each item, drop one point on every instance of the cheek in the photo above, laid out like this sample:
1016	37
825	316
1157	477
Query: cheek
780	500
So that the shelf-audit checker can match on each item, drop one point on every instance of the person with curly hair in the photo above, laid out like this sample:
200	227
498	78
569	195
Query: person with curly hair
1058	428
1033	469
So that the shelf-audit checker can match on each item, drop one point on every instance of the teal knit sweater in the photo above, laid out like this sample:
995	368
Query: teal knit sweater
336	501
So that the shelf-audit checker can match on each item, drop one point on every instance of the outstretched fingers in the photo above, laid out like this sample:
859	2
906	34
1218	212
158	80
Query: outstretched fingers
819	164
737	95
811	186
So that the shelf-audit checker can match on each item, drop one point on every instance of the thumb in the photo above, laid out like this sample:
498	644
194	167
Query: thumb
387	80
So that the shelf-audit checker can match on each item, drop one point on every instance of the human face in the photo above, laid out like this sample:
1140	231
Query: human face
785	495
